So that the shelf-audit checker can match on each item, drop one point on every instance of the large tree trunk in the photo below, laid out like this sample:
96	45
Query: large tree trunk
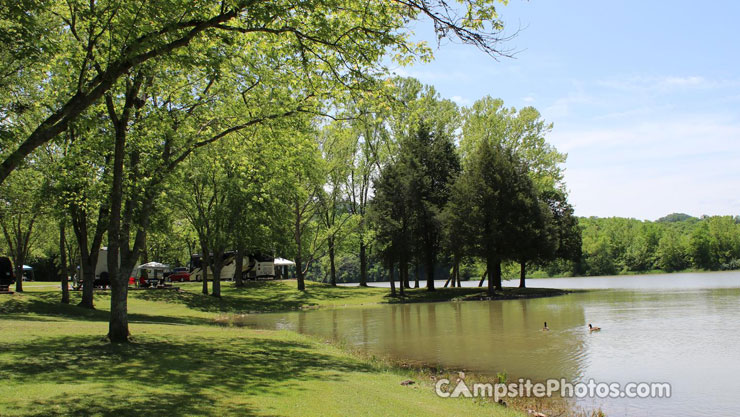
88	252
492	264
454	275
430	270
496	275
402	266
204	270
19	274
522	274
404	272
456	260
332	267
363	264
63	264
299	249
238	266
87	269
299	273
417	272
118	326
216	266
205	262
483	277
391	278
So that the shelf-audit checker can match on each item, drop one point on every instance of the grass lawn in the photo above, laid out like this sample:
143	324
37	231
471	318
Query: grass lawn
54	359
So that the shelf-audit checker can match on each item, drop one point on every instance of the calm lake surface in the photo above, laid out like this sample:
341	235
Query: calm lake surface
683	329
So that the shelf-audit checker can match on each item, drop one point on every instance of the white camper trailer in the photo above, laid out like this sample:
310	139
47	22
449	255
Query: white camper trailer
102	266
102	275
254	266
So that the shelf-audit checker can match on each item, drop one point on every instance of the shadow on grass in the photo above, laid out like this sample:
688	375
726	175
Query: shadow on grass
258	296
193	375
45	306
155	405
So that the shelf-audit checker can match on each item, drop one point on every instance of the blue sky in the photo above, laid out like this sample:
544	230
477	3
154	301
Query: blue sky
644	95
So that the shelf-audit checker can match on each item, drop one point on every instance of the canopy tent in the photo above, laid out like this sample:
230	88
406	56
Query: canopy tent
156	266
282	267
28	273
283	262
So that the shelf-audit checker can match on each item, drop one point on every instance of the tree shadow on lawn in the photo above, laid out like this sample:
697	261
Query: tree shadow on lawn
233	368
110	404
254	297
42	304
46	307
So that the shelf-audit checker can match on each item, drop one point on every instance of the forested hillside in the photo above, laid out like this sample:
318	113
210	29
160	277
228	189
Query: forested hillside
672	243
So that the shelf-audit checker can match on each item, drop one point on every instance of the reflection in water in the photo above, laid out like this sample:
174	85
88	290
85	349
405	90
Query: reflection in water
484	337
679	333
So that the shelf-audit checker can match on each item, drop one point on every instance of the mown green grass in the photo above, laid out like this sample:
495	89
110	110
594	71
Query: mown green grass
189	305
54	360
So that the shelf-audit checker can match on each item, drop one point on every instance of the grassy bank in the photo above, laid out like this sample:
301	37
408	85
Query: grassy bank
54	360
189	305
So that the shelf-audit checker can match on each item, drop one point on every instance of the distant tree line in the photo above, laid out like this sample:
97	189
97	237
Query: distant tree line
672	243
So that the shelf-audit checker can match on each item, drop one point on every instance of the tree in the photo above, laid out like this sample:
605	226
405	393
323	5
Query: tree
204	199
78	176
430	163
454	241
21	202
337	149
256	192
701	247
63	266
305	174
672	252
390	218
523	131
367	126
536	236
494	193
102	41
185	111
551	234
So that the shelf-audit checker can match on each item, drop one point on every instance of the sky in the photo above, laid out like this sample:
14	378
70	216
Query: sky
644	97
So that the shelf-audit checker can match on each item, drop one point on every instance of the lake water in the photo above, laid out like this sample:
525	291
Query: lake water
683	329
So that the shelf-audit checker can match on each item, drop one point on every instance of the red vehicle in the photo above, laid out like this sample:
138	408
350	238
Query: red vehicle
179	275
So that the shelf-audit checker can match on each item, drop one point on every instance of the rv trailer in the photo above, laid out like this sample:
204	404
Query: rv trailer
254	266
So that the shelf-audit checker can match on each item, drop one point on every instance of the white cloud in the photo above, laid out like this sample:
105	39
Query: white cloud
665	83
461	101
648	169
563	106
683	81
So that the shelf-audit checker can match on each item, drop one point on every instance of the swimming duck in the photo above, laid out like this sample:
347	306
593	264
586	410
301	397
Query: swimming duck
593	329
545	329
